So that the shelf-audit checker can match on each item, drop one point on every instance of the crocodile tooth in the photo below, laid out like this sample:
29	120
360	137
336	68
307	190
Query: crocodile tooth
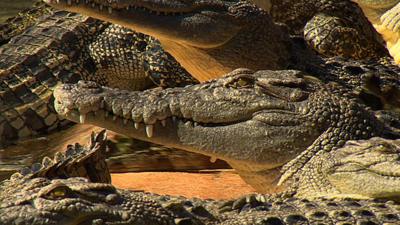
213	159
115	117
174	119
106	113
82	118
102	104
149	130
69	2
137	125
125	121
101	7
163	123
109	10
195	124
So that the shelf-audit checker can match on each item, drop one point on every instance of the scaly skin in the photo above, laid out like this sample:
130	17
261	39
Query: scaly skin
332	28
239	118
211	38
38	198
208	38
66	47
16	25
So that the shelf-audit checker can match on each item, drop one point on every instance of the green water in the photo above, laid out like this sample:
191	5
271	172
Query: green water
9	8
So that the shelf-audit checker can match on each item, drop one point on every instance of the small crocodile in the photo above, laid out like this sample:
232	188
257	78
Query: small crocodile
211	38
239	118
66	47
38	197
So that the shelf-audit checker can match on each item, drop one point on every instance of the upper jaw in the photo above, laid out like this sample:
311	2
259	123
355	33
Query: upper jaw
215	118
187	22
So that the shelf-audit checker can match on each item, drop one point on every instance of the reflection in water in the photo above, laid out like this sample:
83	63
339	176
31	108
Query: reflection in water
27	152
9	8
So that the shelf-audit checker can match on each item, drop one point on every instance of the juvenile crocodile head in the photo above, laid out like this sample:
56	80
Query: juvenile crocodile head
256	122
208	38
41	201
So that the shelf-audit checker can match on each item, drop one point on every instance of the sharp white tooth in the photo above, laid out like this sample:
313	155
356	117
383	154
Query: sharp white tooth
125	121
82	118
101	7
188	123
115	117
163	123
213	159
95	113
174	119
69	2
196	124
149	130
102	104
106	113
137	125
127	8
109	10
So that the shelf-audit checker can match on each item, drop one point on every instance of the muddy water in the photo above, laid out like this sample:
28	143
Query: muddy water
9	8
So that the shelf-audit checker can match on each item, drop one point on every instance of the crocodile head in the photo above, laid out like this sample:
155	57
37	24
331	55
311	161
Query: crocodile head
360	169
40	201
255	121
208	38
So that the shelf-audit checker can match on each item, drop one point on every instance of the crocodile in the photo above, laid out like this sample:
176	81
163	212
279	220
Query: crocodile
45	198
211	38
332	28
239	118
66	47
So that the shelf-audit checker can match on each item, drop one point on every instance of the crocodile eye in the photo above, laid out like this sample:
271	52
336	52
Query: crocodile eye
59	192
241	82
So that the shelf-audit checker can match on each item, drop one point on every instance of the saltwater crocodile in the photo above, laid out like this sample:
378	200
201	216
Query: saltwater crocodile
211	38
66	47
38	196
239	118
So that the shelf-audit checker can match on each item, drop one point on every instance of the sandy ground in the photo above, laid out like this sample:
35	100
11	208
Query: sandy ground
215	185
